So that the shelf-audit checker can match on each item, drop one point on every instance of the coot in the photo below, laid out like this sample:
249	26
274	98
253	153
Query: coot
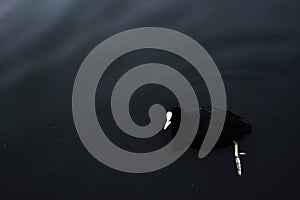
234	129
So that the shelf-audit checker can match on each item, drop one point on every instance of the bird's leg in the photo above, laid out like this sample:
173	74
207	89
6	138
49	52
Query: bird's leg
237	155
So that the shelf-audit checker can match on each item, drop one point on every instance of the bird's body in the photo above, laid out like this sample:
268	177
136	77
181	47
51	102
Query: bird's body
234	127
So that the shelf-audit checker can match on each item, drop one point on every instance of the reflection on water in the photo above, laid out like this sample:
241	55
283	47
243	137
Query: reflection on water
42	44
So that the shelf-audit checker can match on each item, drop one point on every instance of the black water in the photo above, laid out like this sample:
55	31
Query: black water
255	44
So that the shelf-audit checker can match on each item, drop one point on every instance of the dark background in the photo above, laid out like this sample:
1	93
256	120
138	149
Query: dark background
255	45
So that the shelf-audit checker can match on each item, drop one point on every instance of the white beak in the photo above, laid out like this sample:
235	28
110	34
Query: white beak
168	121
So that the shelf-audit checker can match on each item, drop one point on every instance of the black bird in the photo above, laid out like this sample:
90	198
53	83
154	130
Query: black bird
234	129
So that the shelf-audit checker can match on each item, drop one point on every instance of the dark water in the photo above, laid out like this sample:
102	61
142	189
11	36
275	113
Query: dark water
255	44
